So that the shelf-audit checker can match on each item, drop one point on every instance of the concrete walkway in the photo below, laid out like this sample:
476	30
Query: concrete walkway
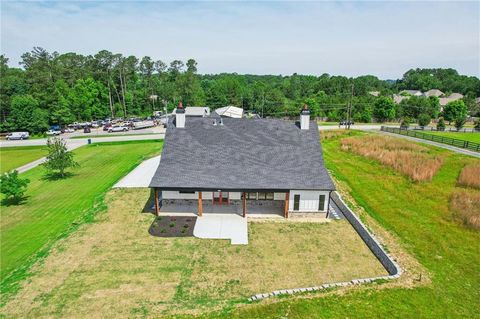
222	226
446	146
141	175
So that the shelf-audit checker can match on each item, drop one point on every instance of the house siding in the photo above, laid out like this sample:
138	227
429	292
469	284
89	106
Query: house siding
308	200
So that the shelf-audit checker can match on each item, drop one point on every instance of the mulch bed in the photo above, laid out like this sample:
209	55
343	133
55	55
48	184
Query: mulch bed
173	226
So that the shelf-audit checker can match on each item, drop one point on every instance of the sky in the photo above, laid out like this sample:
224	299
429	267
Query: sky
269	37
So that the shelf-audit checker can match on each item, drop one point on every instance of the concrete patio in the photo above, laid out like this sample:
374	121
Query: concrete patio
260	209
222	226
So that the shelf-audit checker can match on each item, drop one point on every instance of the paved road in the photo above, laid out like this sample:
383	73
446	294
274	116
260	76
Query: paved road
353	127
448	147
73	144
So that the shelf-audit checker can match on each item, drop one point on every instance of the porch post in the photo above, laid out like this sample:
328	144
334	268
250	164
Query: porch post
200	206
244	202
157	204
285	211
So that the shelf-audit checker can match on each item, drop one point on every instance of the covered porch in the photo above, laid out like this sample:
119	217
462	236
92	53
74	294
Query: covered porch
206	205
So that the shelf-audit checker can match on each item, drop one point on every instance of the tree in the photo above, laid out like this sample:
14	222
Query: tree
477	125
26	115
441	124
460	122
454	110
405	122
384	109
424	120
13	187
58	158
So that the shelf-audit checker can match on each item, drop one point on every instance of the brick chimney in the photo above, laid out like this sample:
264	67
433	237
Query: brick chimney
305	118
180	116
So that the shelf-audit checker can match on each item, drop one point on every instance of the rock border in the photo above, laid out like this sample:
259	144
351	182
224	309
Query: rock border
393	269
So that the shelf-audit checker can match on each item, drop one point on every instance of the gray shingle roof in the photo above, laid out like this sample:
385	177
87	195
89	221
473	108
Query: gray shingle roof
243	154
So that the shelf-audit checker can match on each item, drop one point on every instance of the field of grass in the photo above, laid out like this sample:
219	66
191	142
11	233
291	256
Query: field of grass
115	268
418	214
471	137
14	157
55	207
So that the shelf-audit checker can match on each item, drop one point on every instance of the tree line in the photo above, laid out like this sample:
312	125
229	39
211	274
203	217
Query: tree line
57	89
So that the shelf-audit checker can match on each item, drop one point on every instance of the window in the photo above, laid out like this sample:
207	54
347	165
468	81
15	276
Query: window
296	202
321	203
261	196
269	196
251	195
187	192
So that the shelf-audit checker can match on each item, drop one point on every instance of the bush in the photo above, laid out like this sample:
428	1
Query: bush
424	120
460	122
441	124
405	122
13	187
477	125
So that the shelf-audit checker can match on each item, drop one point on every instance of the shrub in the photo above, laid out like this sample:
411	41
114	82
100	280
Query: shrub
424	120
464	205
460	122
403	156
405	122
441	124
13	187
477	125
470	176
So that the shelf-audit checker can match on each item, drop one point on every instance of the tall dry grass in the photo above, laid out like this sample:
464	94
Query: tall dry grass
328	134
403	156
466	206
470	176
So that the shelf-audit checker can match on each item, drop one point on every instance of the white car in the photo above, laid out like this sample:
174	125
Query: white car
69	130
18	136
118	128
53	132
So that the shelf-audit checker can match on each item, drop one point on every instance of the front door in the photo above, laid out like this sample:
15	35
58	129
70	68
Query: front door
220	198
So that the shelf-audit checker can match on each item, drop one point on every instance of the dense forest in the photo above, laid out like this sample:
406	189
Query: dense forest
53	88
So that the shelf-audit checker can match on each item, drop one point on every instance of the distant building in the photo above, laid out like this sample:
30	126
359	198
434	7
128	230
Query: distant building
200	111
433	92
230	111
374	93
453	97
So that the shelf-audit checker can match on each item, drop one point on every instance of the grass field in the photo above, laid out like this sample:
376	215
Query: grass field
14	157
54	208
418	214
114	269
471	137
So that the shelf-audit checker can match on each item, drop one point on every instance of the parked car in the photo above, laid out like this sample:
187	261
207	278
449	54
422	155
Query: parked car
68	130
53	132
107	126
87	129
118	128
18	136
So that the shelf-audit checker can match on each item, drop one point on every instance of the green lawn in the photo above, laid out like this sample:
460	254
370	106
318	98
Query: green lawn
53	208
471	137
418	215
14	157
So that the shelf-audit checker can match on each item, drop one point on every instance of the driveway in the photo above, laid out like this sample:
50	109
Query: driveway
222	226
141	175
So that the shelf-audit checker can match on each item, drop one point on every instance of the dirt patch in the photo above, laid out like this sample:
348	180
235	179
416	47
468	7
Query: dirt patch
173	226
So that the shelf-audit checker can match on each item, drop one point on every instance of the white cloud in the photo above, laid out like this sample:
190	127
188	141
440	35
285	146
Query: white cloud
385	39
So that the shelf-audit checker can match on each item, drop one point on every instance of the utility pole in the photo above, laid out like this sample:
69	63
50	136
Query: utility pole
349	110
